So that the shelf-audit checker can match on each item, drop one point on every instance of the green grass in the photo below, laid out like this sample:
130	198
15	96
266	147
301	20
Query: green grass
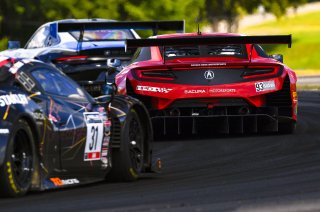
305	29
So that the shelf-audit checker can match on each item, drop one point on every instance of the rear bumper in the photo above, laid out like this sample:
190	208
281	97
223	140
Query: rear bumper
259	120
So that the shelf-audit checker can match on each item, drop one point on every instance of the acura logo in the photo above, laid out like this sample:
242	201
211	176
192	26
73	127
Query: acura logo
209	75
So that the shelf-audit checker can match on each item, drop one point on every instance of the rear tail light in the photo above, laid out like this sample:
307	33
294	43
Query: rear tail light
72	59
155	74
259	72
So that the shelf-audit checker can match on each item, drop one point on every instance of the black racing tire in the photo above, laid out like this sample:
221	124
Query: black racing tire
287	127
18	166
128	161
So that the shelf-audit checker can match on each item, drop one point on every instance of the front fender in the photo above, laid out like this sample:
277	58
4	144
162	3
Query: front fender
6	127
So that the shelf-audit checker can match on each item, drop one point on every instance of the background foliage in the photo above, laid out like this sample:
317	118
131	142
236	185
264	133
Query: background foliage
304	54
20	18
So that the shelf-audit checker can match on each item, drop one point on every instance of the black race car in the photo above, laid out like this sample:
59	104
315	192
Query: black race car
54	134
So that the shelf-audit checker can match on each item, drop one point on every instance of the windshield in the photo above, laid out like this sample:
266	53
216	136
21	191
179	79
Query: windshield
58	84
205	51
104	34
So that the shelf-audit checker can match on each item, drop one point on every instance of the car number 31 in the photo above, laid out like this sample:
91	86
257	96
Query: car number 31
94	136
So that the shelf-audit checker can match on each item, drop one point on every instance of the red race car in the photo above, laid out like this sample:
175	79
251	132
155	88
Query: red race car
212	83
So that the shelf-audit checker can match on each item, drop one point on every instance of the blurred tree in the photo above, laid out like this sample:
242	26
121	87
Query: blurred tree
188	10
30	14
229	11
279	7
232	10
276	7
62	9
20	18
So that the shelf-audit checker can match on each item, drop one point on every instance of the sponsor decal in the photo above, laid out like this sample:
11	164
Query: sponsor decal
213	90
209	75
94	138
294	96
52	118
28	60
3	58
4	131
61	182
194	91
265	86
16	67
19	64
54	111
12	99
92	156
25	81
38	116
153	89
105	148
222	90
208	64
11	181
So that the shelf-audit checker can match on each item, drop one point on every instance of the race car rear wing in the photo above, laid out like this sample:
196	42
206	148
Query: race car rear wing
211	40
81	26
178	26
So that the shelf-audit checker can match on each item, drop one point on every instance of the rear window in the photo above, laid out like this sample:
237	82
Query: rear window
142	54
103	34
205	51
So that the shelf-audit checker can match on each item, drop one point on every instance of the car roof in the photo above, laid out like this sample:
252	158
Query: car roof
9	66
73	20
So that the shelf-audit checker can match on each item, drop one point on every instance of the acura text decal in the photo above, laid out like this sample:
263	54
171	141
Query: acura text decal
194	91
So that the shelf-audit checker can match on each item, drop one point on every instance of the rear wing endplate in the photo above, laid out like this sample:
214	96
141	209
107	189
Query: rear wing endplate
178	26
211	40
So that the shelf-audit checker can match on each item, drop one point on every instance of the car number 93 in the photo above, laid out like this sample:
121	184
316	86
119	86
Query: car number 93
265	86
94	137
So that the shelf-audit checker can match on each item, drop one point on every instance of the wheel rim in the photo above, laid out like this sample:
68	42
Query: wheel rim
136	144
22	159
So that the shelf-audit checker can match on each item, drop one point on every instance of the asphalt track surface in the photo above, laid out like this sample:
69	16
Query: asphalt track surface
309	80
226	173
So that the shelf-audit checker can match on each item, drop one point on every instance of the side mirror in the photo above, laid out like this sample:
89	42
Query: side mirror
113	63
13	44
278	57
